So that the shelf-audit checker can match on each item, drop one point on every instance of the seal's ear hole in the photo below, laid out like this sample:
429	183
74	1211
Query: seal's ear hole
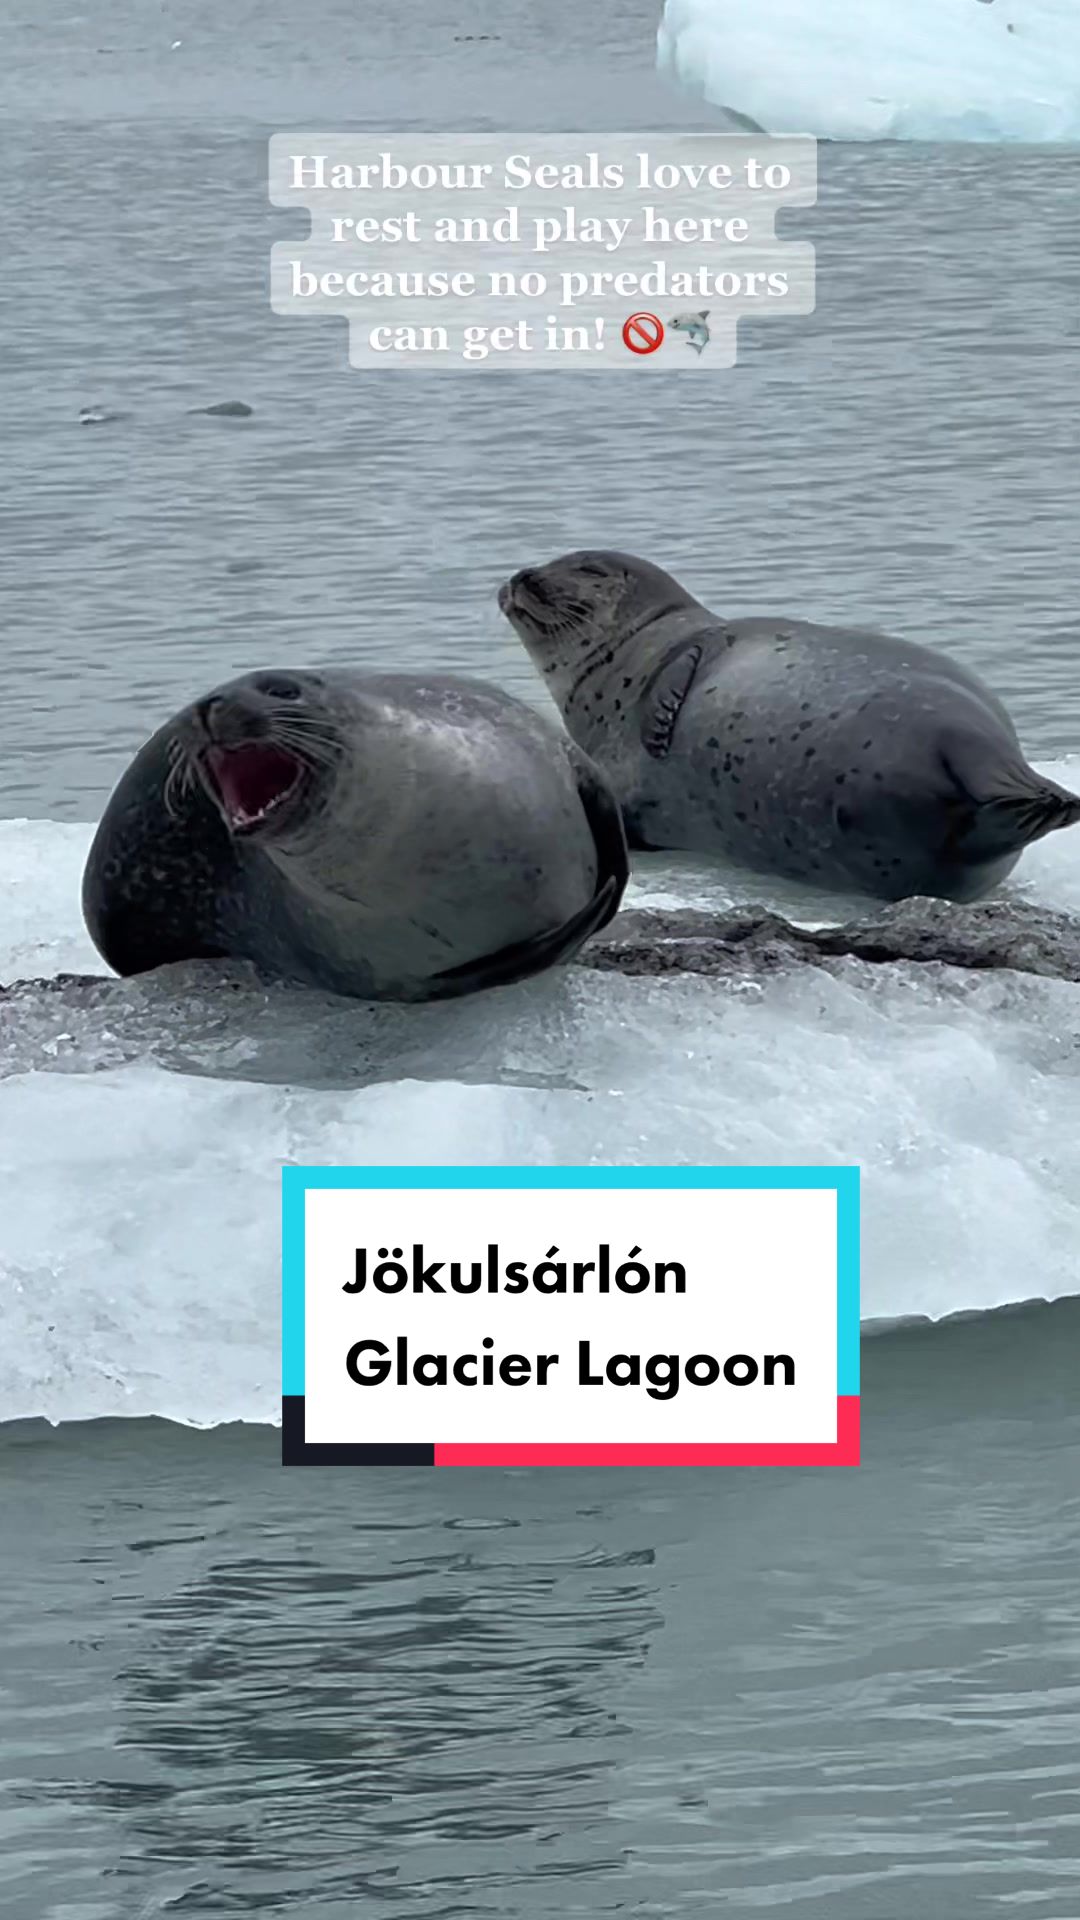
278	686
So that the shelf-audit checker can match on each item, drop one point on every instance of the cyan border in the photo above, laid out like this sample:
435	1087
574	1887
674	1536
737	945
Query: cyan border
296	1180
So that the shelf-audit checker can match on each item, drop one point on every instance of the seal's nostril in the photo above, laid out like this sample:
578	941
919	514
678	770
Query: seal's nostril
532	581
279	686
228	719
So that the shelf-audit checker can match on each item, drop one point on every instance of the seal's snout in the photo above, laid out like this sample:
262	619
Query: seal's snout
248	771
250	711
525	591
228	722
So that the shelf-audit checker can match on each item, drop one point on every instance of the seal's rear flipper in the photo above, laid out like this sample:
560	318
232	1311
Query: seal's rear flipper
1009	804
1045	809
529	957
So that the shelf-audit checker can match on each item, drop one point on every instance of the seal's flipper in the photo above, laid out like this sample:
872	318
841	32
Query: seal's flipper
664	697
1008	804
604	816
528	957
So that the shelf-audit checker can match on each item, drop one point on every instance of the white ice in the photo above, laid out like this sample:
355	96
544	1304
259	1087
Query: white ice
139	1256
883	69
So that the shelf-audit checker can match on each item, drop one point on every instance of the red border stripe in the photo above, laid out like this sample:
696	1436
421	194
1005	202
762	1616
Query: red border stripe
841	1452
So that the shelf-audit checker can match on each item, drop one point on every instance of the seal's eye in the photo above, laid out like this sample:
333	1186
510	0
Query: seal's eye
277	686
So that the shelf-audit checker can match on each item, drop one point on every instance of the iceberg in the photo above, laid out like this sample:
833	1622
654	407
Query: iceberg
989	70
143	1124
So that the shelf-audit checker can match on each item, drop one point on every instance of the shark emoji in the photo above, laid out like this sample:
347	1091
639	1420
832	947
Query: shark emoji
695	327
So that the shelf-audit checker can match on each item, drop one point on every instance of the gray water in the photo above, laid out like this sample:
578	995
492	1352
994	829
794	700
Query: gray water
846	1693
905	457
225	1689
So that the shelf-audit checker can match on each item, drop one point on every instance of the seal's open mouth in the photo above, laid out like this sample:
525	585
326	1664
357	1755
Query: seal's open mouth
253	781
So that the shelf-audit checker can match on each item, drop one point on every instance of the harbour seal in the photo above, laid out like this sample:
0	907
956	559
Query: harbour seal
387	836
825	754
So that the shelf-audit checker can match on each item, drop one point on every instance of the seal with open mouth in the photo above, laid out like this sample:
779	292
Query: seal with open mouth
388	836
839	757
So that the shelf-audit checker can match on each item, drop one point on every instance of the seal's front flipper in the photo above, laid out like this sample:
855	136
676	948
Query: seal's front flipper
529	957
664	698
1008	804
608	830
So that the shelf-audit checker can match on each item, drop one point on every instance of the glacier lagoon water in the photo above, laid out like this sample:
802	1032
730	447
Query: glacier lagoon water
228	1690
982	70
232	1690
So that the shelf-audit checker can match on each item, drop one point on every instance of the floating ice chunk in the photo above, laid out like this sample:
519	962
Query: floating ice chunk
139	1259
881	70
140	1150
41	926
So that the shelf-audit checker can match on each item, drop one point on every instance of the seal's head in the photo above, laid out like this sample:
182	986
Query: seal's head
260	747
575	610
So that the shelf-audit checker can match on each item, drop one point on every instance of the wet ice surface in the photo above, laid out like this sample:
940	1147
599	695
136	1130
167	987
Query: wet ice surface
870	70
143	1124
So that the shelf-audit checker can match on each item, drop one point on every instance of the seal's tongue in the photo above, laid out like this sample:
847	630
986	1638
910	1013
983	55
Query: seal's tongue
252	779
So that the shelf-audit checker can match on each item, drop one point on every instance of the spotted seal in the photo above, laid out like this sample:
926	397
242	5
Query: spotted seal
388	836
826	754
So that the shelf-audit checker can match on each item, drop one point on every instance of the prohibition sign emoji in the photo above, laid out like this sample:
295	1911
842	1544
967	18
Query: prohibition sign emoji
643	333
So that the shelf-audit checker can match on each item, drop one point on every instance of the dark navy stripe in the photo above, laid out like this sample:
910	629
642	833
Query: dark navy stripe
296	1451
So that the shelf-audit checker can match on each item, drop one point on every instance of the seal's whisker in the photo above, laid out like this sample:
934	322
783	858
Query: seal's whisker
311	736
565	620
179	779
310	742
584	624
301	722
